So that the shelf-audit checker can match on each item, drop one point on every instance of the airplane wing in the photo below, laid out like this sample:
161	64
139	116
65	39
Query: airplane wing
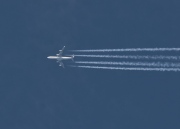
61	51
61	64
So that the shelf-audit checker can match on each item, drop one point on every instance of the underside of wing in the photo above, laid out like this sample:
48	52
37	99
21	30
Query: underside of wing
61	64
61	51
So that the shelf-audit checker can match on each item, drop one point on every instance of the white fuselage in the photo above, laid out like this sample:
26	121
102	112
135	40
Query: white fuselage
59	58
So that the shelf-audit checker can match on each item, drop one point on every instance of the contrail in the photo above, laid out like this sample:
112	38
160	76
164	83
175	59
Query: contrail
126	68
153	64
129	50
132	57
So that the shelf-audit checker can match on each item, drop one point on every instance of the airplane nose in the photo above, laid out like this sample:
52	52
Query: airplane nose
48	57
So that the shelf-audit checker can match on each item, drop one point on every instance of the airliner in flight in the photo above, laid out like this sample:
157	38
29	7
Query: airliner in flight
59	57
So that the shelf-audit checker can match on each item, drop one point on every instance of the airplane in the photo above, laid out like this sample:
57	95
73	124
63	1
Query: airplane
59	57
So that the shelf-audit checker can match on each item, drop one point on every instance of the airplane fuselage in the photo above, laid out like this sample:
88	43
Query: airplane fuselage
59	58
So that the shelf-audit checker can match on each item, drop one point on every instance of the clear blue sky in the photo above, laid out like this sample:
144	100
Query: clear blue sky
35	93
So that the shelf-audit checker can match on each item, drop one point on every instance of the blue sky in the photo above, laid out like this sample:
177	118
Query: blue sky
36	93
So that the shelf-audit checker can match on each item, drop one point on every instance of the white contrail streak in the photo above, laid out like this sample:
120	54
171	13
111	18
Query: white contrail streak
126	68
132	57
129	50
153	64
